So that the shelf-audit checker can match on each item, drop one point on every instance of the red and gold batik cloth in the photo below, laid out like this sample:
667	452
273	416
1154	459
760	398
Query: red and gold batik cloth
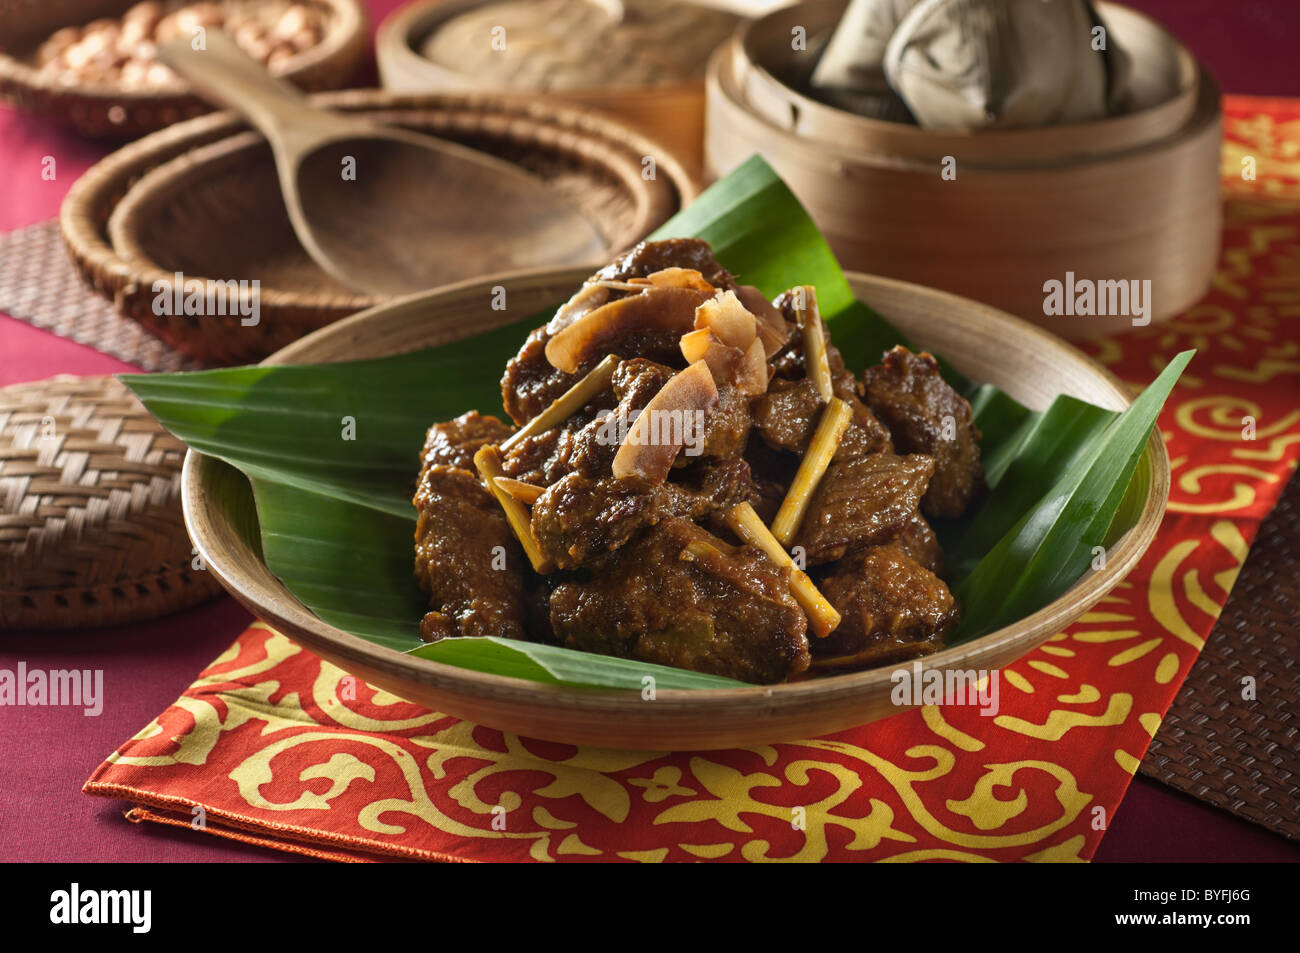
273	746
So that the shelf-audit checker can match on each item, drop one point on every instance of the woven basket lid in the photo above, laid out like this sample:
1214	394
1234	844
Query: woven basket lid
90	517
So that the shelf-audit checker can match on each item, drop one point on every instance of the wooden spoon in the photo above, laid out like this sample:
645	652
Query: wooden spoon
386	211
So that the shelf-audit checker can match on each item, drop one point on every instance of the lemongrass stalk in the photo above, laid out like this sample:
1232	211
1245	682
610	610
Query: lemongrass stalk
526	493
706	555
488	463
826	438
822	616
568	403
814	341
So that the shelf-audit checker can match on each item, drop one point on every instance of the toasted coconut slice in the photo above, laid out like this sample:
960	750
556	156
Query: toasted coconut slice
665	425
696	345
662	309
753	375
772	325
728	319
745	370
587	298
676	278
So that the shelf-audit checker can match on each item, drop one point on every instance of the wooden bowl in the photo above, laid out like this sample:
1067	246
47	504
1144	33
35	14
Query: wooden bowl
1134	196
672	114
129	221
111	111
985	344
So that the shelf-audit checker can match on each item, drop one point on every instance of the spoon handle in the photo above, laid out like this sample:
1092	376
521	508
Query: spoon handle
223	73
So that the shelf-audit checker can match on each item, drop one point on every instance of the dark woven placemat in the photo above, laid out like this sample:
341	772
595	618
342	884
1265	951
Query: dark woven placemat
1237	754
39	285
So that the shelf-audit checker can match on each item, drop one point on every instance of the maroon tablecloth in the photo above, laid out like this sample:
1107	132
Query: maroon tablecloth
1248	45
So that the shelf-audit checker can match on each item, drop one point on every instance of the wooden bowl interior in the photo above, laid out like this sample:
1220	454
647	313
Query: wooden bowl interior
1028	364
231	183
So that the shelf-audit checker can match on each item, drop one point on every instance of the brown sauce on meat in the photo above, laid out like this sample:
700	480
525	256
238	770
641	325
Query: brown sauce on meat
646	567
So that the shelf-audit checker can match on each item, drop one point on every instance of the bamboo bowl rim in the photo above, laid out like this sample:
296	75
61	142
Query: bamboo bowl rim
397	60
245	575
241	570
344	28
811	120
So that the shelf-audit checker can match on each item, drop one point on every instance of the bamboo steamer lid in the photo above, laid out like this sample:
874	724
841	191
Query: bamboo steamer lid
90	519
1135	197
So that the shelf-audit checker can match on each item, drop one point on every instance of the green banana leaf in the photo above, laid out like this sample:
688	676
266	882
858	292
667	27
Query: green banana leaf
330	454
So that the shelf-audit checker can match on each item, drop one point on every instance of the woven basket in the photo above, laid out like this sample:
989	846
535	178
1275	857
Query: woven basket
109	111
211	171
90	518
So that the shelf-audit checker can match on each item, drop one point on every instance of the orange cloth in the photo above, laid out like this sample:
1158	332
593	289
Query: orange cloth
271	745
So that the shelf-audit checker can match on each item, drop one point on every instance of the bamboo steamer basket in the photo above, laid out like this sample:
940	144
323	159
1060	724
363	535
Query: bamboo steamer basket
104	110
129	221
1130	197
989	346
671	114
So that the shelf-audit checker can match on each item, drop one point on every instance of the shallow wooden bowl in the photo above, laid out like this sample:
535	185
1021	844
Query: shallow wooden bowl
130	221
672	114
1130	197
983	343
100	109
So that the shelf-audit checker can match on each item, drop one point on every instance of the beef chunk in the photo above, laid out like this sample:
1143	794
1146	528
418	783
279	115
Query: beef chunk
787	415
581	518
729	612
590	450
927	416
726	429
707	487
891	608
587	441
635	383
866	434
649	257
771	473
918	541
458	528
454	443
862	502
546	457
530	383
788	362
